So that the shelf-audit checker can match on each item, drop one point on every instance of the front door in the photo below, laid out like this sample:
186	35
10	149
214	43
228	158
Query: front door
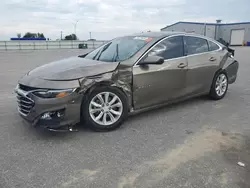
155	84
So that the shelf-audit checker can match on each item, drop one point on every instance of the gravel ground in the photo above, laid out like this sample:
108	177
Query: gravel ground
196	143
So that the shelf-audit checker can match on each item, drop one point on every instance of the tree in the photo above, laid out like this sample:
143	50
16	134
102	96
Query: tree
33	35
40	35
70	37
30	35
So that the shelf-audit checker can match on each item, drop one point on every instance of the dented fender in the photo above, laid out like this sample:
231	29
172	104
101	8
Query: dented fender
231	66
120	78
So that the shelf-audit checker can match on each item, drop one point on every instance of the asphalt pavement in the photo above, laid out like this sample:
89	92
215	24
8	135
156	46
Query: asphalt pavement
196	143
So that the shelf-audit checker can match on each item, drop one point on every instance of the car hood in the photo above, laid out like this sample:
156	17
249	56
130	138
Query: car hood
72	68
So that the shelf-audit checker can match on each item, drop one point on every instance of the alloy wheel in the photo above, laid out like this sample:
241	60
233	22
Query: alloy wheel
221	85
105	108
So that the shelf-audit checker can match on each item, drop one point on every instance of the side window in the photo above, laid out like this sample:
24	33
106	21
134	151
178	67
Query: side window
169	48
195	45
212	46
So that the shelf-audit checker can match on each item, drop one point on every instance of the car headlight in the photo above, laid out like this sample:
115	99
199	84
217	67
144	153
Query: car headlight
54	93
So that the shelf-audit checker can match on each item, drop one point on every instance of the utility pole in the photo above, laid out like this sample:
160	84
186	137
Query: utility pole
205	28
89	35
75	25
61	35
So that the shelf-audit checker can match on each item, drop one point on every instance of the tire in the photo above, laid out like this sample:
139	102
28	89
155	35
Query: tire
214	91
116	112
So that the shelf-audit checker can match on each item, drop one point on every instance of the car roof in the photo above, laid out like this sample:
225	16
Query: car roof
159	34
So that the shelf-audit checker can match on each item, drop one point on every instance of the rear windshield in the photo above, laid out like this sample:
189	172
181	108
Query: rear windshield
119	49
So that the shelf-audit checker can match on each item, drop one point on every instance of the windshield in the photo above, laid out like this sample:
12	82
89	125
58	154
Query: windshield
119	49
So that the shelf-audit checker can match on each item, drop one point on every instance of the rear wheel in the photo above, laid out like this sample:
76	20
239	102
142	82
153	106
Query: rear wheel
219	86
105	109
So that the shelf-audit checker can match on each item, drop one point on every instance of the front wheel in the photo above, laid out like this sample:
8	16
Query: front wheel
219	86
105	109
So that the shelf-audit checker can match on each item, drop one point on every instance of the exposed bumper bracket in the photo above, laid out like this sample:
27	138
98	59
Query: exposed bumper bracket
63	129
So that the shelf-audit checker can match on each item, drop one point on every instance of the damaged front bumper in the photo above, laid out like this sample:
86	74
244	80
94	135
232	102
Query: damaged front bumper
53	114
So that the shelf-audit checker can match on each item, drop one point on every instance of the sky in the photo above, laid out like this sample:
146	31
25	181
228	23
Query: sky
107	19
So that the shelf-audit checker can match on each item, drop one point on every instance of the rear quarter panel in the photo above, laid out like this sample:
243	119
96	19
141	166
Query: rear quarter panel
230	65
231	68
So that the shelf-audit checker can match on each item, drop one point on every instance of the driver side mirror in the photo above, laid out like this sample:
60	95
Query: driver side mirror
157	60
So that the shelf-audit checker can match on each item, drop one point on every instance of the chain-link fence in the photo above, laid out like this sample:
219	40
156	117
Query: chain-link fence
47	45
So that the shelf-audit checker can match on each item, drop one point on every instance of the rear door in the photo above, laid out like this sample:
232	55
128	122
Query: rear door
155	84
202	64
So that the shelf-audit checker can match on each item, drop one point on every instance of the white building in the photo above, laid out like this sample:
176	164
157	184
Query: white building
233	33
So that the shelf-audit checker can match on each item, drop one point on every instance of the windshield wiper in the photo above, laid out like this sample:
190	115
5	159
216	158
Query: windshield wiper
104	48
96	54
116	57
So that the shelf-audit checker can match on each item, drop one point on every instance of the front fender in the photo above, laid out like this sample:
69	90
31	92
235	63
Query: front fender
118	78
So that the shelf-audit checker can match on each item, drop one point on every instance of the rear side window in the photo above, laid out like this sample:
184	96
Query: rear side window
169	48
212	46
195	45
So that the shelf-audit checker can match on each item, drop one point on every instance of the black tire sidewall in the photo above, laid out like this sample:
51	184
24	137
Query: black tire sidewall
85	109
213	93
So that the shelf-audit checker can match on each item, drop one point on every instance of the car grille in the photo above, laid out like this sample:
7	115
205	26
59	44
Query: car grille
26	88
25	104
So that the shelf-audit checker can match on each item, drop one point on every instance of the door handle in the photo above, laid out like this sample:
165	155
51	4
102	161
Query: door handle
182	65
212	59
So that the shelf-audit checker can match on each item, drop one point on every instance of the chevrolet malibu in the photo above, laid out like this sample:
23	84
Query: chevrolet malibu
126	75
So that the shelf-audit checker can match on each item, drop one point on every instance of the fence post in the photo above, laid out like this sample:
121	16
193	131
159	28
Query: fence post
94	44
5	43
34	44
72	44
60	44
47	45
19	45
